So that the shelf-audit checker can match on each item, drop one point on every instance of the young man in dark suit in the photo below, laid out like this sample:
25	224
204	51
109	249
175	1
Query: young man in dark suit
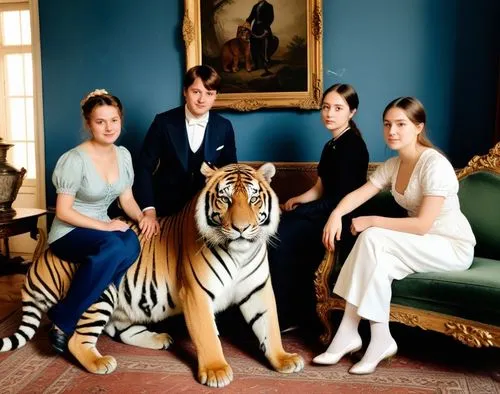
178	141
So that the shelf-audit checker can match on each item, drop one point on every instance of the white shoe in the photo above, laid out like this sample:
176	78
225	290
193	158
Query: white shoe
328	358
367	367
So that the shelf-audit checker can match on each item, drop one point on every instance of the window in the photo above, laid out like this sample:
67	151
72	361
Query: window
21	103
17	123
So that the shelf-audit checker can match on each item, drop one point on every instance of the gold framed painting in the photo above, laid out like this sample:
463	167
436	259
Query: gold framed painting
268	52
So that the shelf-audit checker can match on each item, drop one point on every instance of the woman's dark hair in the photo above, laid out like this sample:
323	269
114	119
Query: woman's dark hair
349	95
99	98
415	112
209	77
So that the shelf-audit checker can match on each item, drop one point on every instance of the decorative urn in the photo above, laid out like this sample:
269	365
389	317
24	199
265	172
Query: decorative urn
11	180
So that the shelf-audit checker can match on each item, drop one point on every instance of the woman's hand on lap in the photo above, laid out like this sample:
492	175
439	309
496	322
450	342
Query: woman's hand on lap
117	225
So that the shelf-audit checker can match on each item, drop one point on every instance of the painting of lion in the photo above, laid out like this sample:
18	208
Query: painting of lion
237	50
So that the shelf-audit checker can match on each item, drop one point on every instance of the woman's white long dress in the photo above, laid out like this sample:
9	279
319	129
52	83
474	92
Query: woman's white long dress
381	255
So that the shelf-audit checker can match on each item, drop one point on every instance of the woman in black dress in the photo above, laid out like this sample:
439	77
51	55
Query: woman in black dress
341	169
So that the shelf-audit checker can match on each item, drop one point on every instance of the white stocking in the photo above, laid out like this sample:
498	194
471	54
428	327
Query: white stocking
347	331
381	340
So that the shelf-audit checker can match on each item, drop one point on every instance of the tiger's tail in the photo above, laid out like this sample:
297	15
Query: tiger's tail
32	315
45	284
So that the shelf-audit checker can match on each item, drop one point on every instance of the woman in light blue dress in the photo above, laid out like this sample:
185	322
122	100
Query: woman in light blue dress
88	178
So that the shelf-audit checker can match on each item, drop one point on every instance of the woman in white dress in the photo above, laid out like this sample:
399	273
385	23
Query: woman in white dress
434	237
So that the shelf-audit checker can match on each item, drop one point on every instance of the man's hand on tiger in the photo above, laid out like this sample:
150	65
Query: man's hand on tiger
149	224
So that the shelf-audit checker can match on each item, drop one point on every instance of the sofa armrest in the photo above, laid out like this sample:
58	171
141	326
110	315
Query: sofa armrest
323	294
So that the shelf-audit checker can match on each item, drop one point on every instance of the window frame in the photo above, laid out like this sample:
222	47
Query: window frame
36	185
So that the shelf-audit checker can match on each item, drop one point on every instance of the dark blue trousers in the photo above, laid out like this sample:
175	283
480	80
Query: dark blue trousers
103	258
295	258
292	262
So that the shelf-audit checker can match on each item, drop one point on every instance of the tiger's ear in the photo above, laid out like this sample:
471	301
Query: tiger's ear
267	170
207	169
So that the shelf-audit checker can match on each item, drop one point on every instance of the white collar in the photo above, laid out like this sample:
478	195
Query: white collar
193	120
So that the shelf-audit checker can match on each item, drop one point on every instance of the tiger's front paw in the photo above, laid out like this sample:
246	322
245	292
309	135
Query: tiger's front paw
89	356
289	363
163	340
215	374
103	365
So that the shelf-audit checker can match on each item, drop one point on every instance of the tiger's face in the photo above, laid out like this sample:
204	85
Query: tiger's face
237	207
243	33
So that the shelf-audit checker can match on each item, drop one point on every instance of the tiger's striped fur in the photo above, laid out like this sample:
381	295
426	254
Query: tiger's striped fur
209	256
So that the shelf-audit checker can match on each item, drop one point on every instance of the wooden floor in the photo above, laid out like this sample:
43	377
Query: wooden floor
10	294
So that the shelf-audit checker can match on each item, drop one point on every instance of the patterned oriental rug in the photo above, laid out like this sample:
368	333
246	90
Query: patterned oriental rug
35	368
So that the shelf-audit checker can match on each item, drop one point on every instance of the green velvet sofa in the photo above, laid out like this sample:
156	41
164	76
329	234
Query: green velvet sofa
464	305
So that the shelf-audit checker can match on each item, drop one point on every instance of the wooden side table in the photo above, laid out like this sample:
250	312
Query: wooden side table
24	221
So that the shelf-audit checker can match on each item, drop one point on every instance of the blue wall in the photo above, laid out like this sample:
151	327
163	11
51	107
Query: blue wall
444	52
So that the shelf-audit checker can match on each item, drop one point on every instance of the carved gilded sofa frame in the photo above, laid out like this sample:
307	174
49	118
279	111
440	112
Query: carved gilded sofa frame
469	332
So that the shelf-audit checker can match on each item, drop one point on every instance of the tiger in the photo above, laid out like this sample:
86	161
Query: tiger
237	49
210	255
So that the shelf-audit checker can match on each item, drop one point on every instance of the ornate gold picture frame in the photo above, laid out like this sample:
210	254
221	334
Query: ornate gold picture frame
268	52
